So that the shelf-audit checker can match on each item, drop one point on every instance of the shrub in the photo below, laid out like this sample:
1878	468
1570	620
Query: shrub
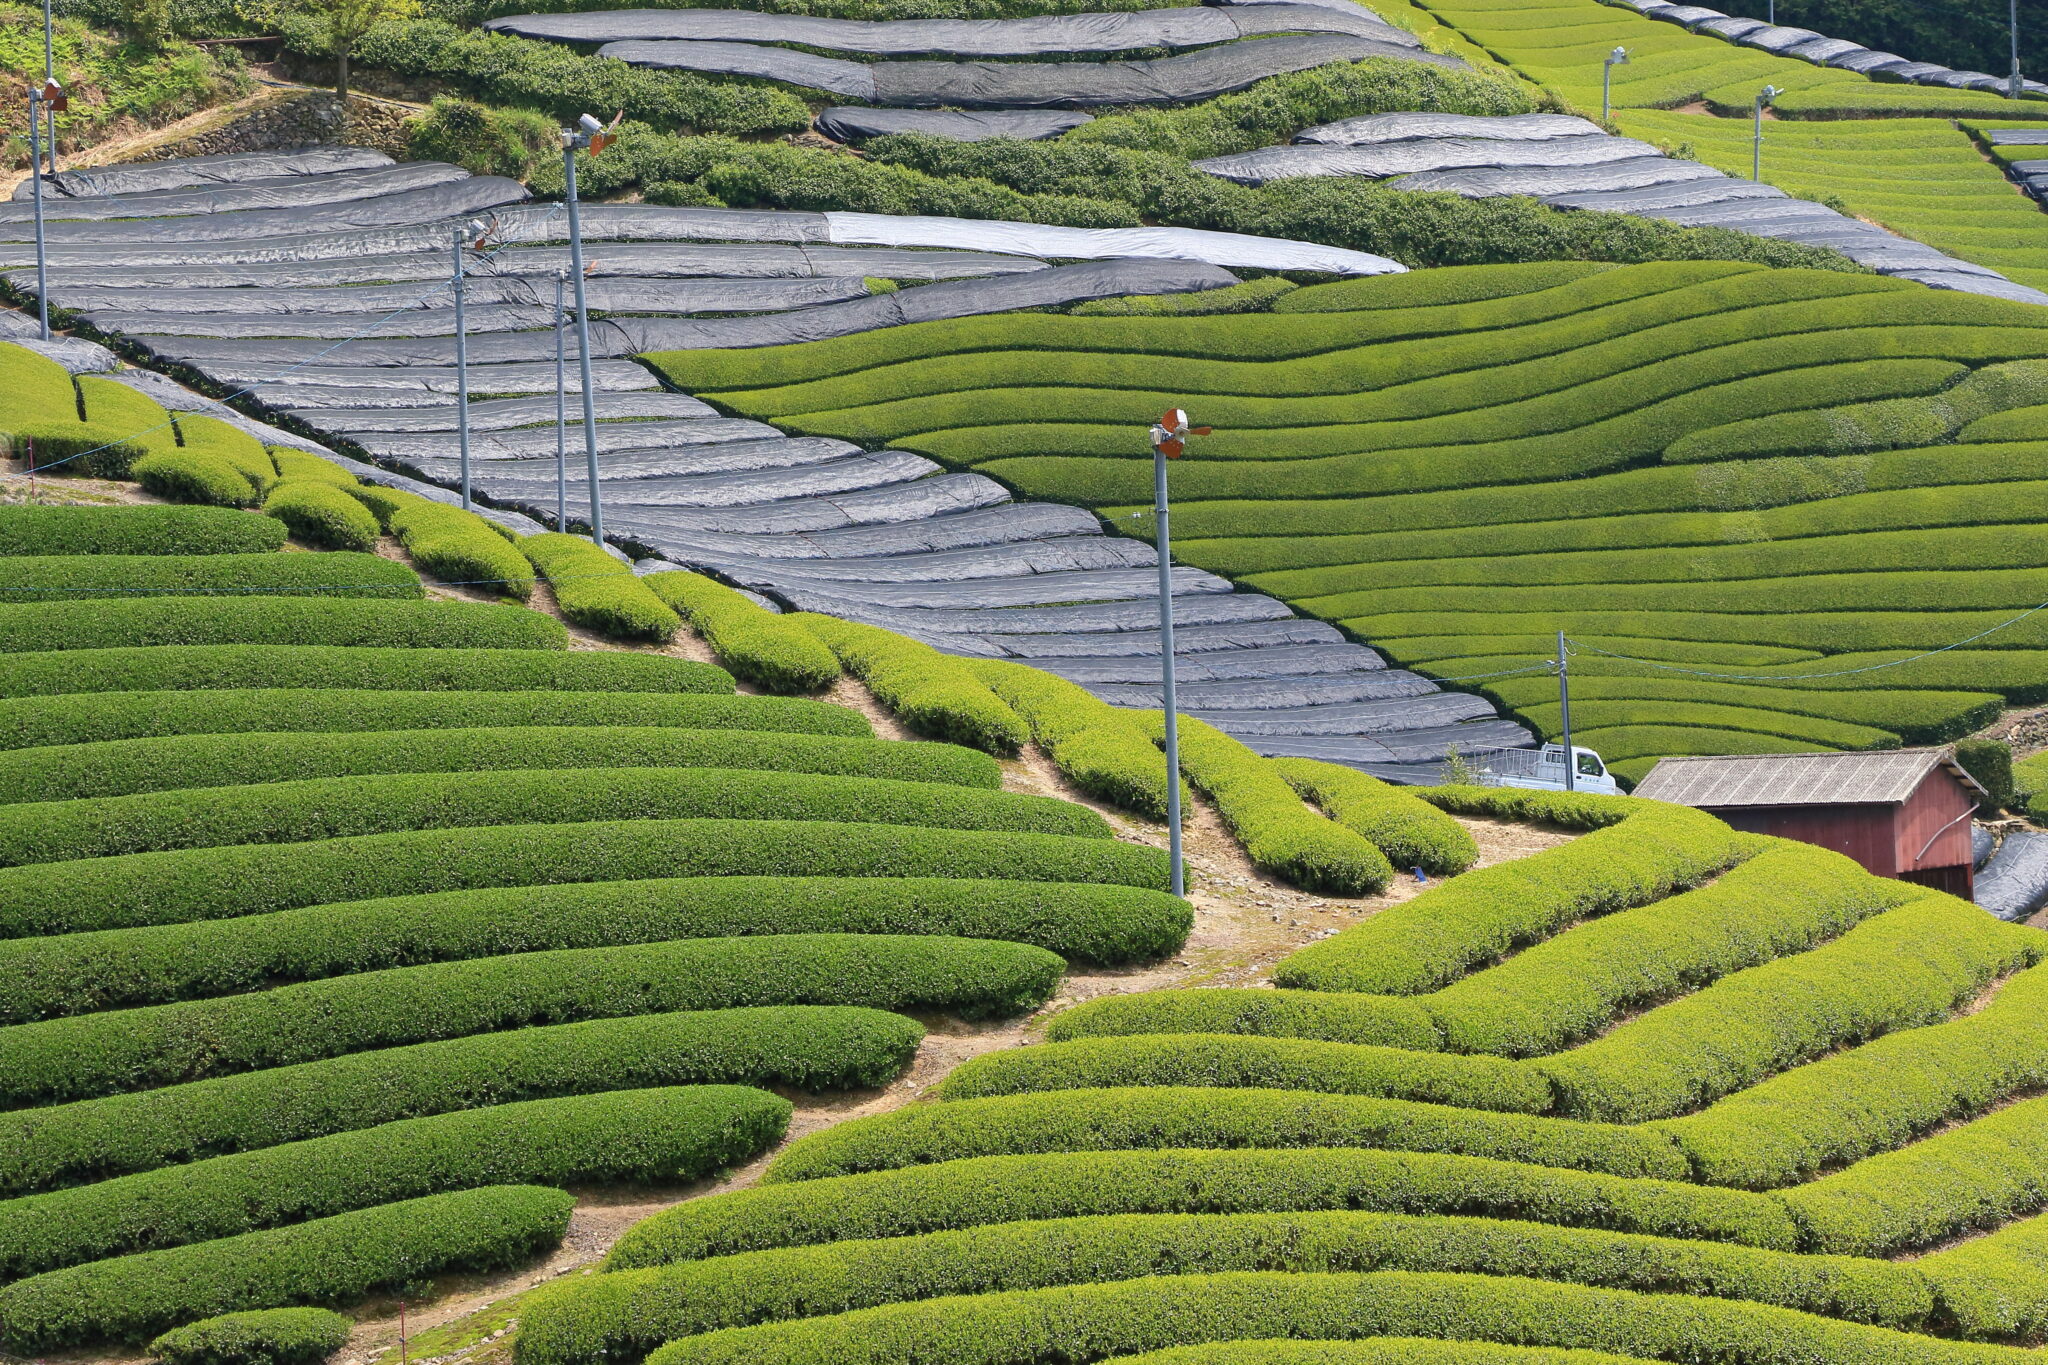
1995	1286
330	1260
1409	831
1175	1116
927	691
1990	762
1123	1319
480	139
1008	1189
338	807
1253	296
99	1054
266	670
1907	966
1235	1060
263	1336
1650	851
756	644
453	545
666	1136
146	621
809	1047
321	514
39	579
304	464
36	530
1788	899
212	437
194	476
123	423
1100	749
219	883
78	974
127	766
598	592
1337	1017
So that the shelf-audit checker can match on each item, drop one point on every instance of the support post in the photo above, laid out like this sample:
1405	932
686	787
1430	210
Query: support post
1564	701
461	365
1169	702
561	408
1756	153
582	336
2012	19
35	157
49	78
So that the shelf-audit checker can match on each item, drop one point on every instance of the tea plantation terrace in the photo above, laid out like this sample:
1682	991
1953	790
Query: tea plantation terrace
874	534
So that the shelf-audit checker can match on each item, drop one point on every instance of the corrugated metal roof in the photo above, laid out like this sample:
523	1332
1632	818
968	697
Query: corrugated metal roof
1827	779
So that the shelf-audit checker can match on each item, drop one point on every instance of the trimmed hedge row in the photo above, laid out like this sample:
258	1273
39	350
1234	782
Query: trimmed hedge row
1008	1189
1169	1116
1911	965
191	476
1100	749
37	530
119	968
624	1315
126	766
453	545
221	883
1235	1060
755	643
146	621
330	1260
1637	852
68	577
1092	1322
86	1056
1411	832
931	693
598	592
1334	1016
811	1047
321	514
527	665
1788	899
1279	832
261	1336
1873	1098
1996	1286
666	1136
339	807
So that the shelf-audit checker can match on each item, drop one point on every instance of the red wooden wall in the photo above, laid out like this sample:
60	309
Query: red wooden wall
1885	839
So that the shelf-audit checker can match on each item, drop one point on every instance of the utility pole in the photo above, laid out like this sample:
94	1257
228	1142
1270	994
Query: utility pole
561	410
588	132
1564	703
1169	439
1756	154
462	360
50	80
1615	58
2012	19
50	96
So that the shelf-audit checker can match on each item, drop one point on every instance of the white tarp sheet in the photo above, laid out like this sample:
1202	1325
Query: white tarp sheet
1155	243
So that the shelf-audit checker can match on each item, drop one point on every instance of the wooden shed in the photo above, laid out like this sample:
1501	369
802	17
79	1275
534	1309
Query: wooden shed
1901	813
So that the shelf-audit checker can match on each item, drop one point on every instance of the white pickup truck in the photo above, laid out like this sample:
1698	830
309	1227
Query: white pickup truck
1542	768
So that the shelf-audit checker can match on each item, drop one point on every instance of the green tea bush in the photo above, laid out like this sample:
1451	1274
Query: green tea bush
598	592
1995	1286
929	692
193	476
755	643
453	545
304	464
261	1336
1009	1189
1334	1016
39	530
128	766
1253	296
57	578
77	974
1411	832
1236	1060
339	807
1910	965
322	515
90	1055
156	621
1436	288
1650	850
276	670
1191	1116
1990	762
1100	749
207	436
487	141
330	1260
666	1136
220	883
805	1046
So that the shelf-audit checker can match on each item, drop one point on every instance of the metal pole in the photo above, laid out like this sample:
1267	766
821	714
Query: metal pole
1166	670
583	339
461	366
1606	85
49	74
2015	89
42	256
1564	702
1756	148
1771	12
561	410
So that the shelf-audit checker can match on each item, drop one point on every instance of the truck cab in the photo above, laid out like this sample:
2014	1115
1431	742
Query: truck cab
1543	768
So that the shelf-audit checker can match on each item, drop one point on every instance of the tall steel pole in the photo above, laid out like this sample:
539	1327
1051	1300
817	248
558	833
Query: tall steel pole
561	410
2012	19
462	363
50	76
1564	703
570	141
1159	509
1756	153
35	102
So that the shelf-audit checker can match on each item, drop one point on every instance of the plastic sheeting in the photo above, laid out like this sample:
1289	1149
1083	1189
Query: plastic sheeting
2014	884
1635	173
1027	590
1982	841
1236	664
502	414
1688	194
1150	243
2018	137
1024	85
1371	129
281	192
525	443
472	194
1422	154
1001	560
148	177
844	123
